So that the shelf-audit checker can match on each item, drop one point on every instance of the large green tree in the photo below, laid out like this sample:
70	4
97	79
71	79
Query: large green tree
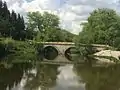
103	27
42	23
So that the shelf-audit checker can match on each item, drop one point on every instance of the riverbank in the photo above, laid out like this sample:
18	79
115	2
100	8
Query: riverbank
108	56
27	51
16	50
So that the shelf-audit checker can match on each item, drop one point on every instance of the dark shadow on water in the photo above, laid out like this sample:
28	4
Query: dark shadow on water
10	77
99	77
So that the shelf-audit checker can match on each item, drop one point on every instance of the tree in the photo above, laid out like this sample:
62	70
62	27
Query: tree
11	24
42	23
35	21
19	32
5	13
54	35
67	35
4	18
103	27
50	20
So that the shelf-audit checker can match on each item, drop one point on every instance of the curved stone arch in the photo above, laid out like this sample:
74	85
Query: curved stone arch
57	48
52	47
68	48
66	55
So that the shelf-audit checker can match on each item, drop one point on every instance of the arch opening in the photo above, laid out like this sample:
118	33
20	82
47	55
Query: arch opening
68	53
50	52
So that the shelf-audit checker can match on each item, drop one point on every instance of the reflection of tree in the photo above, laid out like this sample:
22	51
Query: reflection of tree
45	77
100	78
12	76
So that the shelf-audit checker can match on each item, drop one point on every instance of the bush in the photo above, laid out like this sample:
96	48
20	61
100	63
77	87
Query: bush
12	50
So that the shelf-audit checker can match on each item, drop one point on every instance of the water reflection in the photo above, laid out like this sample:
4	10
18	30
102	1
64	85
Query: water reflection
26	76
29	76
99	78
44	78
10	77
67	79
53	77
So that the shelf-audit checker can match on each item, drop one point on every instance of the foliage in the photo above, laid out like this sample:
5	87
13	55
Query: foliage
54	35
67	35
6	45
42	22
24	51
14	34
103	27
85	53
17	51
11	24
40	27
46	26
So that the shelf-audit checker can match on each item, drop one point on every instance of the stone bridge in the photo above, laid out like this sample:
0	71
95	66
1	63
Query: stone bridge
61	47
61	50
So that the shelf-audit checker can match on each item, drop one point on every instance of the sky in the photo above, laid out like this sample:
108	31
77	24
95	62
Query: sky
71	12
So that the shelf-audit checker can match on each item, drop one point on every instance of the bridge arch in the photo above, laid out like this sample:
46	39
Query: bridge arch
68	53
63	50
50	52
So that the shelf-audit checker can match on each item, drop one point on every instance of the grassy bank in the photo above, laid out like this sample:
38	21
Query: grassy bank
12	50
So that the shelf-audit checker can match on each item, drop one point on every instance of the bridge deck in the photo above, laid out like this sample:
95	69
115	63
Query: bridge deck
58	43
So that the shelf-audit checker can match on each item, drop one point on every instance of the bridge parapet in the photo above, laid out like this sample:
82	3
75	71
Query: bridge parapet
71	43
57	43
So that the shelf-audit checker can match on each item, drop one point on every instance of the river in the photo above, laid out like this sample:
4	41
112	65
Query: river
36	76
58	78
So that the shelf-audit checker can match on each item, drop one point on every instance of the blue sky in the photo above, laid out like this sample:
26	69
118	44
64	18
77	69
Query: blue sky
71	12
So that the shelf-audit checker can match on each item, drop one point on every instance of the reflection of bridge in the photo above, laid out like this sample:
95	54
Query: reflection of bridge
63	48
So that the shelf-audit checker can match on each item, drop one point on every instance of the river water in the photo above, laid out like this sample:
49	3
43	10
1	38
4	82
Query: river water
31	76
25	76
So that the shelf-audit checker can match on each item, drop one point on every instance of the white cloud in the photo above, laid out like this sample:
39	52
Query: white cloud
71	12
